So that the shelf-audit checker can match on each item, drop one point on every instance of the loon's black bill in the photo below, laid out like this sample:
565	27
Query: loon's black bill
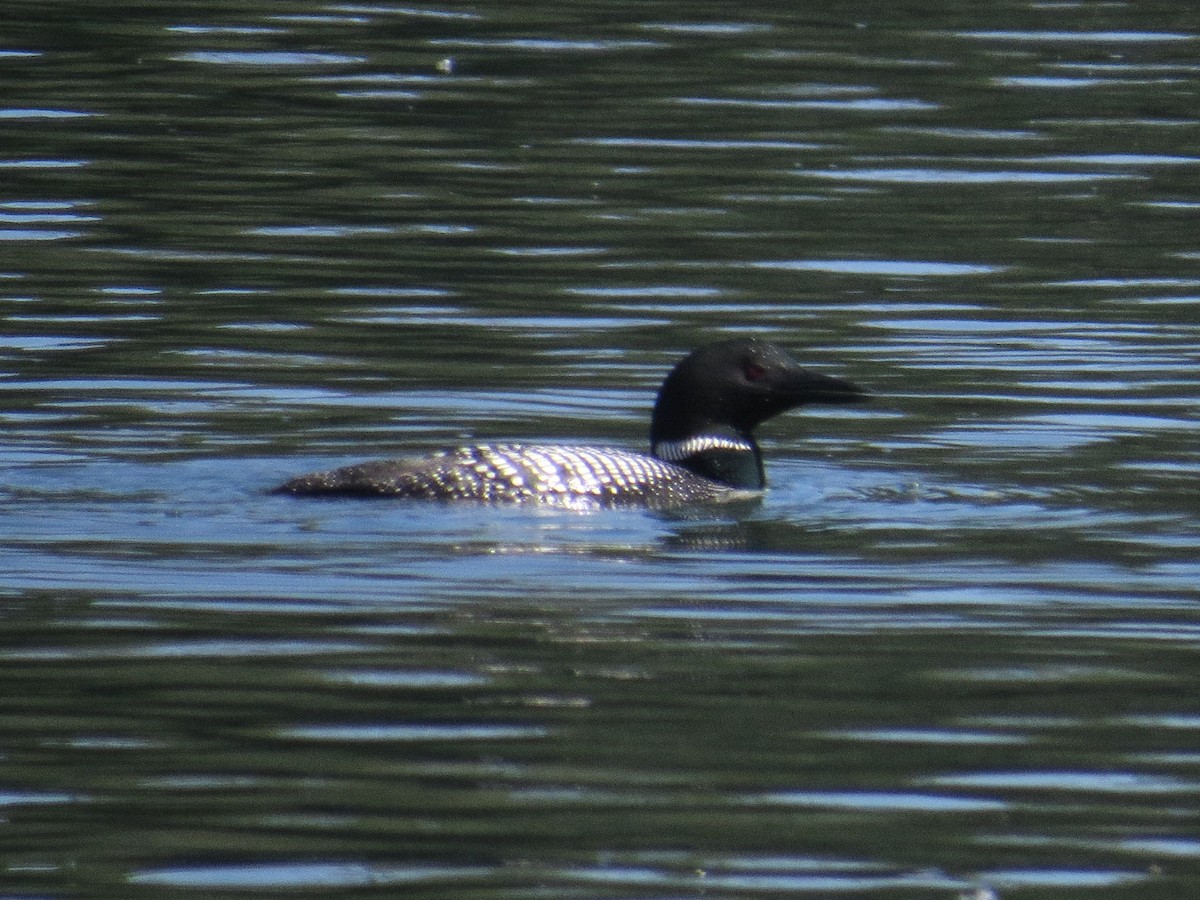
813	387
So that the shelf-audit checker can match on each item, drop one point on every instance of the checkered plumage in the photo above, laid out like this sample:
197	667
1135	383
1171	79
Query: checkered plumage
548	474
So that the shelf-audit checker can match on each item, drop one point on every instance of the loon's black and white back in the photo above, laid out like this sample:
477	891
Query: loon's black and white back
701	437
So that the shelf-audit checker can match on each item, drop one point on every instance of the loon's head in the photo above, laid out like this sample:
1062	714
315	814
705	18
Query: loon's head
713	399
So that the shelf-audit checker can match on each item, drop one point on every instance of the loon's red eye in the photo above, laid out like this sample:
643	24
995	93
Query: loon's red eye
753	371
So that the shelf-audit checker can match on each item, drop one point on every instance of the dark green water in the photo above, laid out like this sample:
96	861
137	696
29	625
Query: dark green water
953	653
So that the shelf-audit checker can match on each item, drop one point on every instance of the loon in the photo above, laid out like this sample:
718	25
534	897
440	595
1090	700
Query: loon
702	445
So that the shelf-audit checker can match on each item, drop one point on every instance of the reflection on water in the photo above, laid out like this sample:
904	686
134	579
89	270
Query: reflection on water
951	654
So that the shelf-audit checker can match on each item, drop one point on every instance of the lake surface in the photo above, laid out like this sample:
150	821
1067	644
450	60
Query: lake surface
953	653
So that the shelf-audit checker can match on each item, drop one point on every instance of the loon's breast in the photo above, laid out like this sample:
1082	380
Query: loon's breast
547	474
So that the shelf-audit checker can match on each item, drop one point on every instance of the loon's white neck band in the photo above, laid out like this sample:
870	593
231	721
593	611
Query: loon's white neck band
675	451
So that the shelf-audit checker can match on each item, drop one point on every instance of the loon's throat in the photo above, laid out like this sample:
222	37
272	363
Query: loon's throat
733	461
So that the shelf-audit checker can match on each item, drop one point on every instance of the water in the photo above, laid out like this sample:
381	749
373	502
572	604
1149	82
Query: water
951	654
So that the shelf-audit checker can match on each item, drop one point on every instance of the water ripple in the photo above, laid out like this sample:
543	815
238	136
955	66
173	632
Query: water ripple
882	801
899	267
265	58
304	875
959	176
1134	783
1082	37
409	733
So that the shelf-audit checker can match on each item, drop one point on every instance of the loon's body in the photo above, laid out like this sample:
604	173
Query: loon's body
702	445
